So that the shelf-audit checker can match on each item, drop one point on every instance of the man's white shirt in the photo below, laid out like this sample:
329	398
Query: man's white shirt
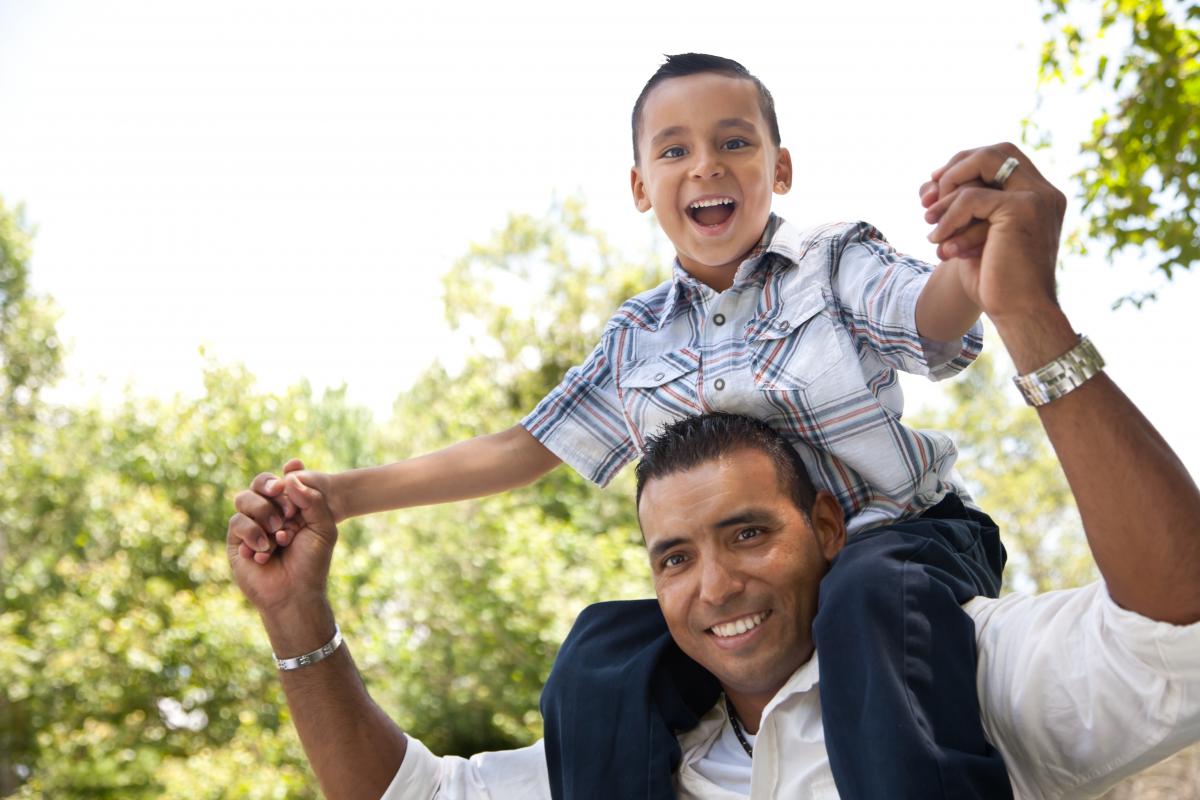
1076	693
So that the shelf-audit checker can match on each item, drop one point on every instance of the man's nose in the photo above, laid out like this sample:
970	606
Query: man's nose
708	163
719	582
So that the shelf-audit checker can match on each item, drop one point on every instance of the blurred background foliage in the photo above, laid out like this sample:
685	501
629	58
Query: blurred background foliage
130	667
1139	185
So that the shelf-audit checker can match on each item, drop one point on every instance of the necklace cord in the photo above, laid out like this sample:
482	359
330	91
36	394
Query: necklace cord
737	728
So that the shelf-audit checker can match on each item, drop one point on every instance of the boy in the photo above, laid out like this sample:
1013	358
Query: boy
803	331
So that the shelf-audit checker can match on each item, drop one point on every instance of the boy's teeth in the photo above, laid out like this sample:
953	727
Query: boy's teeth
719	201
739	625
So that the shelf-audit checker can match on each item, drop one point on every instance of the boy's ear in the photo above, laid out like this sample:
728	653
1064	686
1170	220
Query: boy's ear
783	172
640	199
828	523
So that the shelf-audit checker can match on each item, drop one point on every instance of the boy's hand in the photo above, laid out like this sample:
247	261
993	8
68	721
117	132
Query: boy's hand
296	485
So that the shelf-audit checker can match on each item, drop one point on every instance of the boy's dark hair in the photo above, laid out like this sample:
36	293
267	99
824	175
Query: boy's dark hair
693	441
677	66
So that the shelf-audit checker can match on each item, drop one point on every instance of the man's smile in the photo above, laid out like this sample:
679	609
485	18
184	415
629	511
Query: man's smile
737	632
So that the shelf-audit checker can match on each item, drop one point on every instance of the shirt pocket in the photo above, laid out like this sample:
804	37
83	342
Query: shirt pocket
799	346
658	390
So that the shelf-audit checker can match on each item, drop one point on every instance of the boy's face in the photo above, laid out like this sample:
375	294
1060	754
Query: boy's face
708	167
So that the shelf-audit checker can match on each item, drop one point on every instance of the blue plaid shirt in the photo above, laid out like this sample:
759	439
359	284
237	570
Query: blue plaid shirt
808	339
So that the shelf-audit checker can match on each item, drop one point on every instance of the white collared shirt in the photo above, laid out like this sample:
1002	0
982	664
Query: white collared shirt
1076	694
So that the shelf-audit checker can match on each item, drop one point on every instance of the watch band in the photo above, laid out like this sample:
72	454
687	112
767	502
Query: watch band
1061	376
320	654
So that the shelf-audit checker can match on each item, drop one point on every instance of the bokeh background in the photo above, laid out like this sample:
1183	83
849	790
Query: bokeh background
234	233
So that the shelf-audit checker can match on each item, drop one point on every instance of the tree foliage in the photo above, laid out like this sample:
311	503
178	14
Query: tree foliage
1140	184
130	667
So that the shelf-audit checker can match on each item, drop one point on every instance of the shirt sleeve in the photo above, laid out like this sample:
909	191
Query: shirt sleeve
877	290
485	776
581	421
1078	693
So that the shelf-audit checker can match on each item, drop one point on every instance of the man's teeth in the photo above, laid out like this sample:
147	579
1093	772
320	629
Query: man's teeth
739	625
717	201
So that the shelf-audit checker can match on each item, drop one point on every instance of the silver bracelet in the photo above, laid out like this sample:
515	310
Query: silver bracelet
320	654
1061	376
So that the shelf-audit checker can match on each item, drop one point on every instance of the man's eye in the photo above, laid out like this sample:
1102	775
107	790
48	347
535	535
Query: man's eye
674	152
673	560
748	533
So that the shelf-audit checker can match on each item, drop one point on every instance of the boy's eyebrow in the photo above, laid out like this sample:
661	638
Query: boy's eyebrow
729	122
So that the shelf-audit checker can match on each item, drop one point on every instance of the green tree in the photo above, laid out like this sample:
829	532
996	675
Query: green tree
1140	184
129	665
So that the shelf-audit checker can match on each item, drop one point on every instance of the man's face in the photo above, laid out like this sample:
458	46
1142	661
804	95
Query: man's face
736	568
707	166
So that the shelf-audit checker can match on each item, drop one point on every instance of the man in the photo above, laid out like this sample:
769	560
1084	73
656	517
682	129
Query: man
1077	688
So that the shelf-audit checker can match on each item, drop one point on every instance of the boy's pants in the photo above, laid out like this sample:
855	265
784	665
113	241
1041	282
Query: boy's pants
898	698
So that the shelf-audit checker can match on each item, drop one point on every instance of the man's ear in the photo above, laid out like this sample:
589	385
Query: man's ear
783	172
828	523
640	199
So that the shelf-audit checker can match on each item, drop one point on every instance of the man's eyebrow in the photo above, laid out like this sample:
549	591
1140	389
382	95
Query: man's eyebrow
666	544
747	516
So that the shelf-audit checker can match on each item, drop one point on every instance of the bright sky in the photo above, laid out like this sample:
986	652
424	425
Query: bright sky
284	182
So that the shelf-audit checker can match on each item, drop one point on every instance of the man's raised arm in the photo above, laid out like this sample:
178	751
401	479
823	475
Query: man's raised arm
354	748
1140	508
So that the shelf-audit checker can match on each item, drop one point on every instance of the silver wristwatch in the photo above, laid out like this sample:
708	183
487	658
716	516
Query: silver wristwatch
320	654
1062	375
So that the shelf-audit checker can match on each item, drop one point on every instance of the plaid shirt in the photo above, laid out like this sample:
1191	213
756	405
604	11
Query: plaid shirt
808	339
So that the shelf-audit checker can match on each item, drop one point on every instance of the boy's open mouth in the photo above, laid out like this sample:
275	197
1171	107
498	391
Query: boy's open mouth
712	212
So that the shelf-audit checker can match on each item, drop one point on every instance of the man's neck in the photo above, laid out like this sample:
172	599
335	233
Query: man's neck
749	707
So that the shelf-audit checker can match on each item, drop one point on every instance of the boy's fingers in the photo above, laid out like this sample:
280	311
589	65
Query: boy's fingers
301	494
966	243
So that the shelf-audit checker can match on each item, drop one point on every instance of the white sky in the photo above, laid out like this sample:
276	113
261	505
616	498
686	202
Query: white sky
284	182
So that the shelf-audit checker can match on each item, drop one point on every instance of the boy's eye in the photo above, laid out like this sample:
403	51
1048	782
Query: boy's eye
674	152
736	144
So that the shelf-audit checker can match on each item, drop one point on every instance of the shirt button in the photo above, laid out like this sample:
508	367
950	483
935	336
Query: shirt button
719	384
719	319
784	325
659	376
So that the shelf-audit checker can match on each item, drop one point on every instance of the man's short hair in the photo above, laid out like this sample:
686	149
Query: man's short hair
692	441
677	66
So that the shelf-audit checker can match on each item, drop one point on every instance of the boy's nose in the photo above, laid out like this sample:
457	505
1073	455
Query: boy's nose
707	165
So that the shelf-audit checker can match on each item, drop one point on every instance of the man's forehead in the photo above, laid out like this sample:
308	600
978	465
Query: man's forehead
709	491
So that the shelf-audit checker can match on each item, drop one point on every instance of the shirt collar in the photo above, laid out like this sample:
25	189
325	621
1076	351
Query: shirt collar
778	238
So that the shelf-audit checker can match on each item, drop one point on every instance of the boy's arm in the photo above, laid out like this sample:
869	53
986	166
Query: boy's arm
478	467
944	310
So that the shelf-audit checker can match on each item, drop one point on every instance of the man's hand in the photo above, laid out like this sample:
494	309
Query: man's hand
1007	237
297	574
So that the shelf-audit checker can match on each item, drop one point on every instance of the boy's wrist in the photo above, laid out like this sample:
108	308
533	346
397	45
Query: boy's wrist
338	497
